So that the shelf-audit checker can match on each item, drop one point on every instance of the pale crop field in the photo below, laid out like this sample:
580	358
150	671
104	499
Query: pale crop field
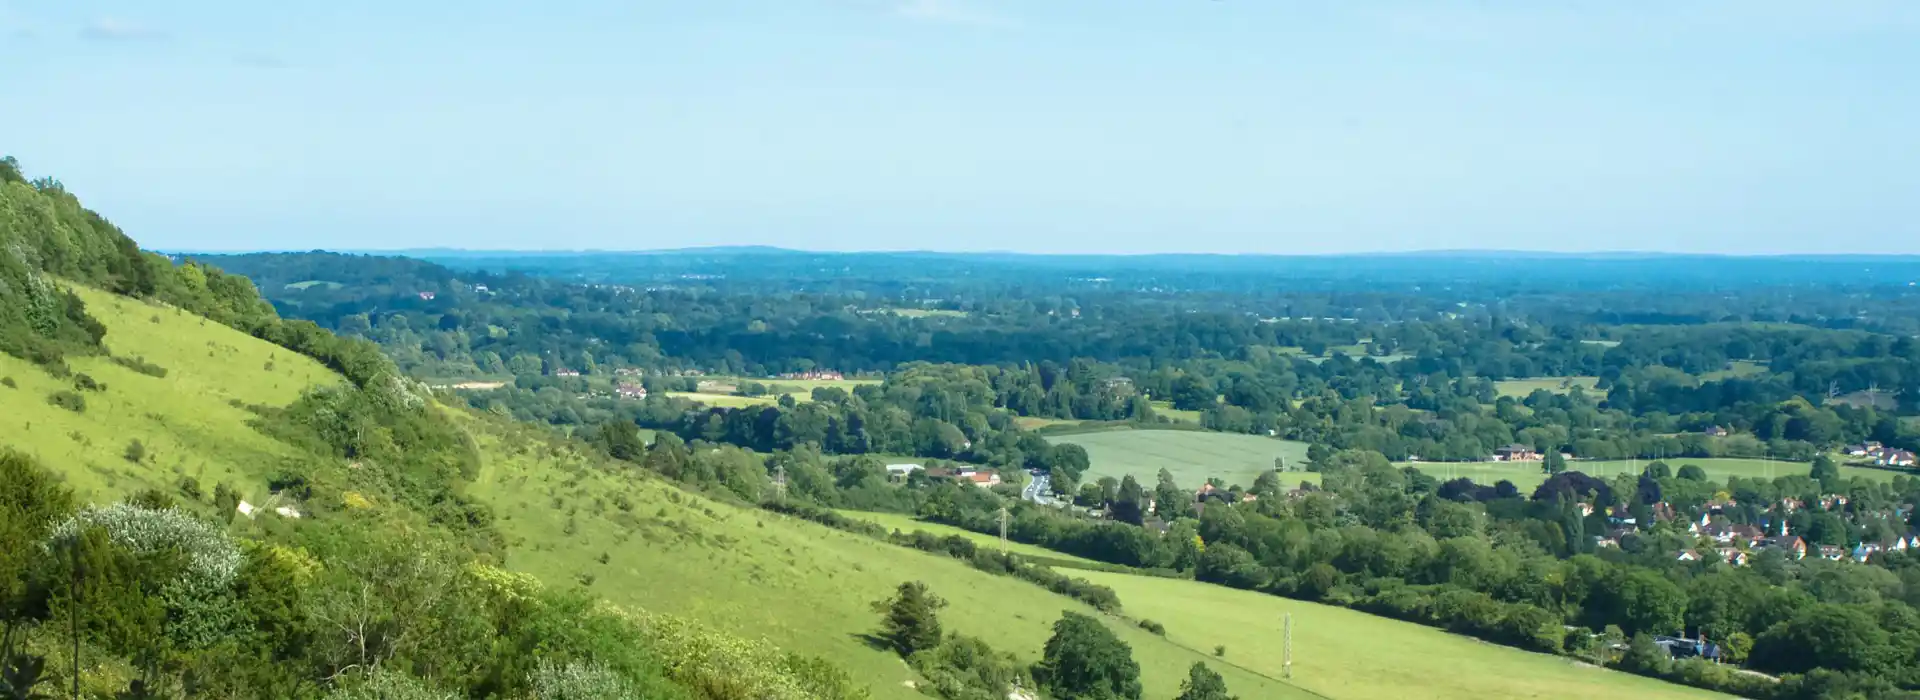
1522	388
1191	456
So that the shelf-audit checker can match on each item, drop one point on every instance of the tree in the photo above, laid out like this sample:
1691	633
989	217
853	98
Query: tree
911	618
1083	659
1692	472
1829	636
1130	505
136	452
1192	393
1067	460
1203	684
1826	472
1658	470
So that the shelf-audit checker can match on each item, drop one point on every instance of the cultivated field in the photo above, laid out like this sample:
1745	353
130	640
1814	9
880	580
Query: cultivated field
804	586
725	400
1191	456
1350	655
1165	408
186	422
1521	388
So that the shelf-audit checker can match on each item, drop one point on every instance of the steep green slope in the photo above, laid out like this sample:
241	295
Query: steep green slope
190	423
805	586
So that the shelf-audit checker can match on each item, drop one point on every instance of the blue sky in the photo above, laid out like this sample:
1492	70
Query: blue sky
1034	125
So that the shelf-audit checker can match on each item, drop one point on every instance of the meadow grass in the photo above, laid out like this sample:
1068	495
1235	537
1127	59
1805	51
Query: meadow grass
1177	415
804	586
1738	368
904	312
1521	388
1033	423
1350	655
725	400
1192	456
909	524
186	421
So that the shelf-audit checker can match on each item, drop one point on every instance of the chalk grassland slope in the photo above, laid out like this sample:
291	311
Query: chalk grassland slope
805	587
1350	655
1191	456
906	523
186	422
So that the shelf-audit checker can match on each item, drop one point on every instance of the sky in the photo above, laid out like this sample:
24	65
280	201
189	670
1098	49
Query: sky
1112	126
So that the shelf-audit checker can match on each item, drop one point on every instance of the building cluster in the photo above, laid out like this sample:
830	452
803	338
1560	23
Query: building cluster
1881	455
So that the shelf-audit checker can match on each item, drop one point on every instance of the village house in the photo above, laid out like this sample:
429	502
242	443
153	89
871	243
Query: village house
1599	541
981	478
1865	449
631	391
1715	431
426	296
566	373
1791	545
1865	551
1894	458
1687	555
1732	556
902	471
1832	501
1515	453
823	375
1620	515
1832	553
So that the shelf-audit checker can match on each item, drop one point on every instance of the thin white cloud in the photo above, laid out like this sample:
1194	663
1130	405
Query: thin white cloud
260	60
947	12
117	29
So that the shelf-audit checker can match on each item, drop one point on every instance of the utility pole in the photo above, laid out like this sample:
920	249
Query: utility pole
780	483
1286	653
1003	529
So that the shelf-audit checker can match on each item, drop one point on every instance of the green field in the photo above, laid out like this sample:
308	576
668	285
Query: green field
1031	423
1349	655
1192	456
1522	388
904	312
309	284
804	586
907	523
1739	368
186	421
725	400
1165	408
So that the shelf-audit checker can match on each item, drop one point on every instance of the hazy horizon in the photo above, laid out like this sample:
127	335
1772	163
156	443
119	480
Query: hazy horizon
1070	127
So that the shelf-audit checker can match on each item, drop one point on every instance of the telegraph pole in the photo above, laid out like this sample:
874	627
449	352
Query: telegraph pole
1003	529
1286	657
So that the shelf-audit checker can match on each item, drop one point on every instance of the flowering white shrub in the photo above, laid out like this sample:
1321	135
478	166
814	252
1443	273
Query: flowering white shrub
579	681
212	558
388	685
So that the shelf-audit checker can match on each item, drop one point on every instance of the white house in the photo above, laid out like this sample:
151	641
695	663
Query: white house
902	471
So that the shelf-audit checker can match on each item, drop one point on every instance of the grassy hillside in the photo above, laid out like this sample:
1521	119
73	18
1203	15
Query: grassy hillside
804	586
187	421
1192	456
903	523
1350	655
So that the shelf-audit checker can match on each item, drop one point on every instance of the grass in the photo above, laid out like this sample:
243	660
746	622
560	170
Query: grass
1350	655
1192	456
1739	368
1033	423
313	283
1165	408
726	400
926	313
907	523
805	587
1522	388
186	420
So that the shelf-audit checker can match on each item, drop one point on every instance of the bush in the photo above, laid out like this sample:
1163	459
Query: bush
85	382
68	400
578	681
388	685
136	452
8	383
1154	627
189	486
141	365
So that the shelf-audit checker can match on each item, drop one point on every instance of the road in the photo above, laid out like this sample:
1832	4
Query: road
1039	490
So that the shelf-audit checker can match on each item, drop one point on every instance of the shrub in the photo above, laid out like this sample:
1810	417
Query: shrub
68	400
85	382
578	681
212	559
1154	627
8	383
1220	650
141	365
136	452
388	685
189	487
